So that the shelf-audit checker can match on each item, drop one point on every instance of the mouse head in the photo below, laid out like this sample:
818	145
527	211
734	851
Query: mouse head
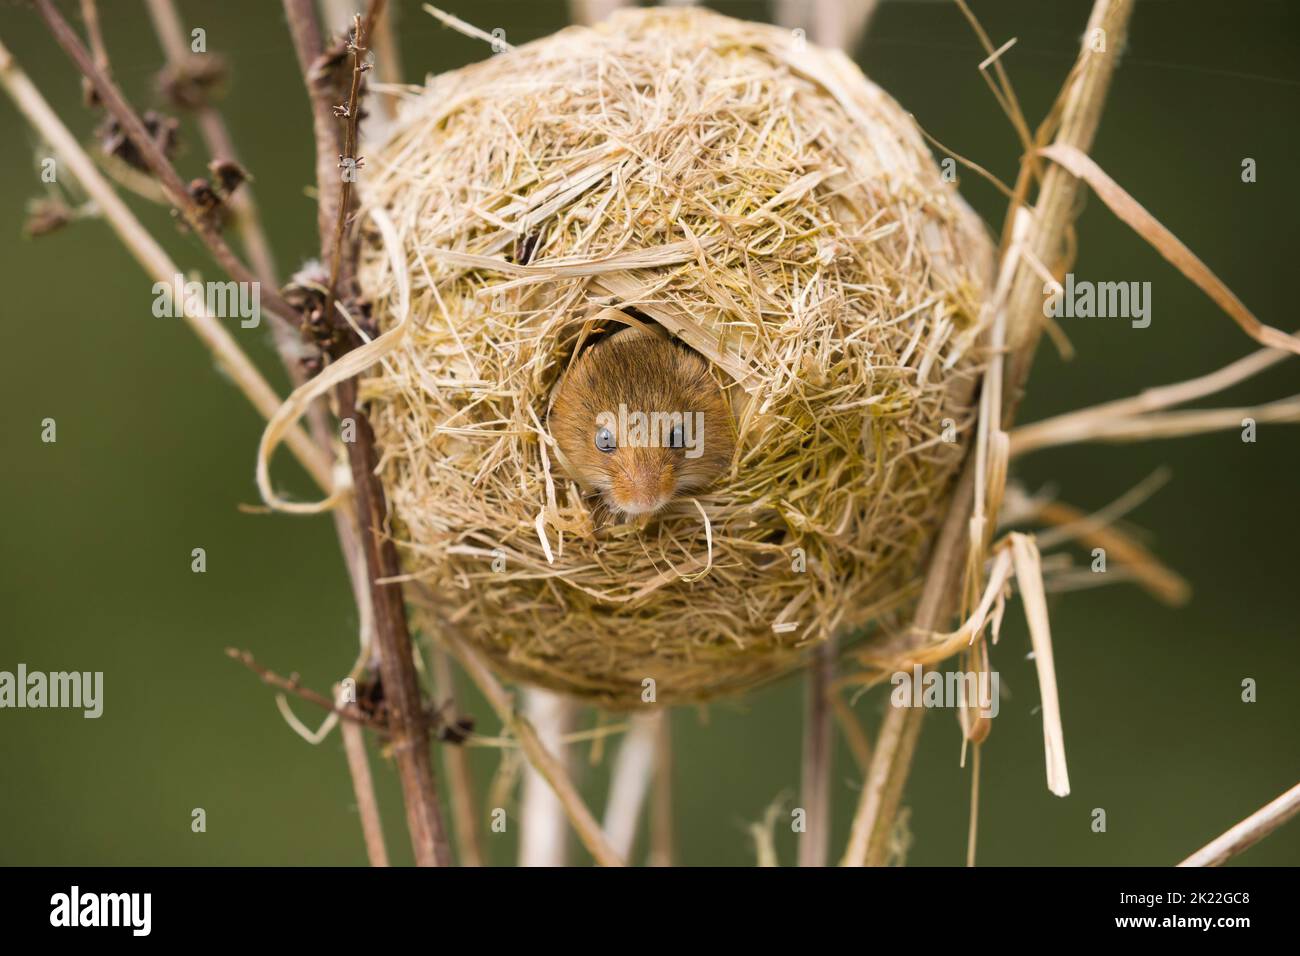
641	421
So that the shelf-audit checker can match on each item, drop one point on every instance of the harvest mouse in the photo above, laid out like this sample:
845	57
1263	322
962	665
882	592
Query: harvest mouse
641	421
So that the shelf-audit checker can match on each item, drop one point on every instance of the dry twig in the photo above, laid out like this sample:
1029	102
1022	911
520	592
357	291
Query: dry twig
588	830
409	731
354	747
1248	832
176	190
292	685
455	763
155	261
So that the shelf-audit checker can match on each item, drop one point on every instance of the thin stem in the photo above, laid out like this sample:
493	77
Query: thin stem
455	763
856	738
350	114
899	724
291	685
247	220
407	727
1248	832
543	836
90	14
304	27
815	785
392	637
388	57
155	262
1093	531
972	831
158	163
1037	434
171	34
248	223
550	767
1057	205
363	787
1104	426
663	836
630	781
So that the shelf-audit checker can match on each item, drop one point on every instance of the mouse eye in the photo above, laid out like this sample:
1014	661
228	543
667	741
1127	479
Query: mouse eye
676	439
605	440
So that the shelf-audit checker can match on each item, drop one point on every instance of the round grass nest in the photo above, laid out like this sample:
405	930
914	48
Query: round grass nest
760	200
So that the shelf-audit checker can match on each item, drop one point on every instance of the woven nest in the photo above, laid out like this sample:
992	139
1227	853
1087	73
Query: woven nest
764	203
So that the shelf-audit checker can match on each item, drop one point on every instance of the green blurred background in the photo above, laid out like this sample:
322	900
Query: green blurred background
155	455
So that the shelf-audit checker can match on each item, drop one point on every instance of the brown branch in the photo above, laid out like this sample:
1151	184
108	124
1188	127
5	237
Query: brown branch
411	744
292	685
177	192
90	14
375	10
350	115
216	136
406	725
154	260
171	36
392	639
304	27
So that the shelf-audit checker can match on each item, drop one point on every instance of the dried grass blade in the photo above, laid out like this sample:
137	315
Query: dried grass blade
1029	577
1133	214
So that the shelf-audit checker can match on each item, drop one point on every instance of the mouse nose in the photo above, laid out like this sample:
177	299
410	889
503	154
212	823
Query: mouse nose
645	487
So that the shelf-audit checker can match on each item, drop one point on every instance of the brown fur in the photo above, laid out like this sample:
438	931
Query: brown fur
648	373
